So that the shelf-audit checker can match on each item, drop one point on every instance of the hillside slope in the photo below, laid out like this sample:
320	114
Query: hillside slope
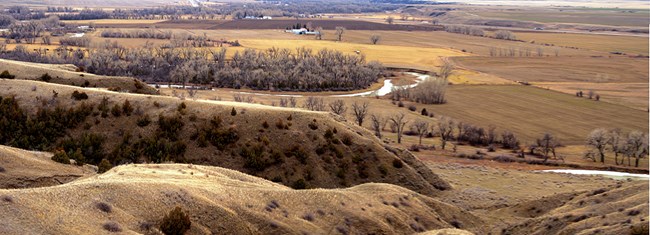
26	169
298	148
66	74
220	201
610	210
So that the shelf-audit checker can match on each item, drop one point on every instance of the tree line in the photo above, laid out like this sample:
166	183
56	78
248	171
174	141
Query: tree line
601	142
272	69
236	10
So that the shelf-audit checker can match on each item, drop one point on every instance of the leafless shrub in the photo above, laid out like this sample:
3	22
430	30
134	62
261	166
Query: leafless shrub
505	35
399	123
314	104
377	124
338	107
105	207
112	227
420	127
360	111
430	91
374	39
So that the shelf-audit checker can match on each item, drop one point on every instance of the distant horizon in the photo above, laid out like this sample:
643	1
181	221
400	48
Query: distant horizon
623	4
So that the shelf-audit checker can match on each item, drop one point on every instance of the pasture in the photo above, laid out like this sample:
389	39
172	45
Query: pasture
530	112
562	69
633	45
636	18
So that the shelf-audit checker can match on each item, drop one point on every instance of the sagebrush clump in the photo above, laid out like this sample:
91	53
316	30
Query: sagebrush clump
176	222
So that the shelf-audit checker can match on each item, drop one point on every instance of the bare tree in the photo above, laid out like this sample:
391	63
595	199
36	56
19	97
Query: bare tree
377	124
339	33
446	129
399	123
360	111
319	33
374	39
314	104
616	144
509	141
446	69
283	102
505	35
636	147
599	139
47	40
491	134
338	107
390	20
293	102
420	127
547	144
429	91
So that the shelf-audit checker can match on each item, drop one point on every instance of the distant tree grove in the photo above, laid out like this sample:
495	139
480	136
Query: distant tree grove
272	69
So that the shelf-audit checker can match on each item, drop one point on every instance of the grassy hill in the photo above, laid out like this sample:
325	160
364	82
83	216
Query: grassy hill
67	74
294	147
26	169
134	198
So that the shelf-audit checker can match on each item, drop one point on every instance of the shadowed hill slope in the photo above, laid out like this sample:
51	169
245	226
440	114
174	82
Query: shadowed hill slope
26	169
298	148
136	197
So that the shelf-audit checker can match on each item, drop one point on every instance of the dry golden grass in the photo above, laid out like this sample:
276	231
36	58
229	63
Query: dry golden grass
613	17
65	74
27	169
605	43
634	95
439	39
562	69
506	198
529	112
401	56
223	201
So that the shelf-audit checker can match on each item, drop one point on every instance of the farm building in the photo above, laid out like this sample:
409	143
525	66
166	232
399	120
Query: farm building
302	31
258	18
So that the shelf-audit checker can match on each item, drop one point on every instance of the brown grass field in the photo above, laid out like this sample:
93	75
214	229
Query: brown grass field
530	112
634	95
562	69
613	17
606	43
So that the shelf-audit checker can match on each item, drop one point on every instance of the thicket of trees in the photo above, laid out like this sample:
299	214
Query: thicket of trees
601	142
292	8
272	69
140	33
467	30
75	41
505	35
86	14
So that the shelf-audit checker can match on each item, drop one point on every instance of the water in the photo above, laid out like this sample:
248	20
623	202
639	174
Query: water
610	174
